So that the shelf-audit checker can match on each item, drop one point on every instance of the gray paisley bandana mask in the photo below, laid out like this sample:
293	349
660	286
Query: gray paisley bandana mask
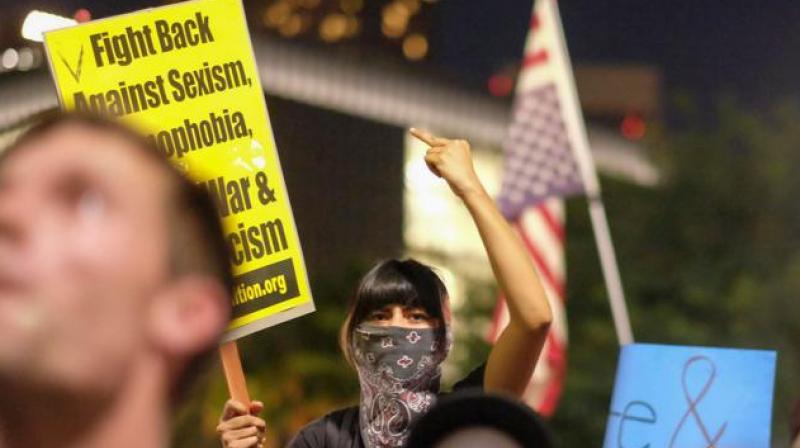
399	371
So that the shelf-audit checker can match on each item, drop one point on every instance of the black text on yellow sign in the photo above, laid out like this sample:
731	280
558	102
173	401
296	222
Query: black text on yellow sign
186	76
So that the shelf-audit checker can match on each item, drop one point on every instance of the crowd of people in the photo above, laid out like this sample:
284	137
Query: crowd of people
115	288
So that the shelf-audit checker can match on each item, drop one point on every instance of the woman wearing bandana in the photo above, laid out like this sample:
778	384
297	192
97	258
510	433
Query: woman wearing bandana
397	331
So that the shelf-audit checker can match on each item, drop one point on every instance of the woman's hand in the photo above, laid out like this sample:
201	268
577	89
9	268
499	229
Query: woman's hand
239	427
452	161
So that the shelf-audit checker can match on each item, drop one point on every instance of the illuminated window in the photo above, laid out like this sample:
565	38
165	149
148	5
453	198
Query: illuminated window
436	222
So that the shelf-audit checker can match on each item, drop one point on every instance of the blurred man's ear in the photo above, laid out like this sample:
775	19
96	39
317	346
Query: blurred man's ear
189	315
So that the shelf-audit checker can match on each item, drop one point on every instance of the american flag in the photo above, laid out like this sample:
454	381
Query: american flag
541	229
546	159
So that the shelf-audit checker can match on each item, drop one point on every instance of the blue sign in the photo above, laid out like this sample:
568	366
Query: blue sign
691	397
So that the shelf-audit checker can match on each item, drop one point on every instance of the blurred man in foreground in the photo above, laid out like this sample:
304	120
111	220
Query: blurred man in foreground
114	286
474	419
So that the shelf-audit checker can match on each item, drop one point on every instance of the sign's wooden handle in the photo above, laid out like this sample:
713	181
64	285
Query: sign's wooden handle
234	374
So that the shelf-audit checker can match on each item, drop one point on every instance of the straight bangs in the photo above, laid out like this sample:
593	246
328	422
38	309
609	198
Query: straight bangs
399	283
406	283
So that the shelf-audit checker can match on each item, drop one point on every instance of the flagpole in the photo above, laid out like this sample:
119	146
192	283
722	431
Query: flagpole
597	210
608	263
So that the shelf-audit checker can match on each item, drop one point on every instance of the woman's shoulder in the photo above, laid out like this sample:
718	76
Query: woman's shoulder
335	429
340	418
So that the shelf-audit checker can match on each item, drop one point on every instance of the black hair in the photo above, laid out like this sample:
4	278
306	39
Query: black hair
407	283
474	409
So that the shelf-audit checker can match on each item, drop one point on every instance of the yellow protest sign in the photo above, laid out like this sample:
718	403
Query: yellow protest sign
185	75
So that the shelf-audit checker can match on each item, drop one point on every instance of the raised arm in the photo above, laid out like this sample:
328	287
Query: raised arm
515	353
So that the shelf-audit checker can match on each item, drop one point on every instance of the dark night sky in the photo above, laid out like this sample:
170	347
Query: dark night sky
751	49
709	46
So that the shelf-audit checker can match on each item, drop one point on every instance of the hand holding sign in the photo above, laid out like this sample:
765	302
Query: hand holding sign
240	427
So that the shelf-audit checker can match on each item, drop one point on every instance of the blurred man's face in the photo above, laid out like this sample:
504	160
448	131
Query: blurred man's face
83	249
478	437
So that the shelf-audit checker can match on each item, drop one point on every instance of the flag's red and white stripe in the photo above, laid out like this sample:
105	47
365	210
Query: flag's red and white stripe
541	228
530	173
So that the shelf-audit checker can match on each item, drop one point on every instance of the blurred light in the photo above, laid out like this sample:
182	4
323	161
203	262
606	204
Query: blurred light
415	47
395	12
633	127
353	26
412	6
82	15
292	26
500	84
421	182
390	31
351	6
26	59
38	22
10	59
333	27
277	14
395	19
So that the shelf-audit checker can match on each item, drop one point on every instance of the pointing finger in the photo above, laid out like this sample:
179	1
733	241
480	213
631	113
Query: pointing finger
426	137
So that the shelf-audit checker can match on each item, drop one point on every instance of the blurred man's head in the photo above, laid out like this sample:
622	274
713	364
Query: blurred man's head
475	420
110	261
